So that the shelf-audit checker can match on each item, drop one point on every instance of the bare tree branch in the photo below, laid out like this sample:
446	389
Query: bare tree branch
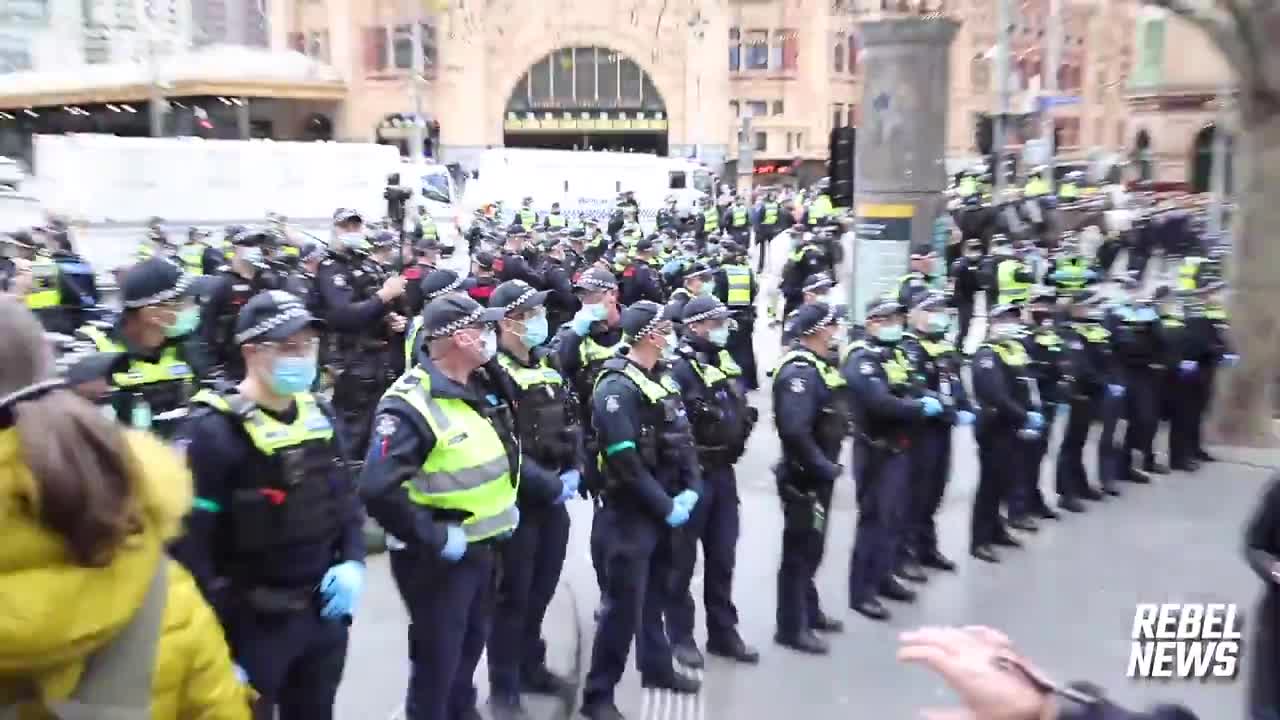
1225	29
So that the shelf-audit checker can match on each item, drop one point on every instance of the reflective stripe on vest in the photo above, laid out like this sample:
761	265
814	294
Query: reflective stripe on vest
831	376
728	365
1071	273
268	434
44	291
937	347
168	368
1092	332
529	378
740	217
770	214
528	218
192	257
555	220
429	231
1069	191
708	373
1011	352
739	291
710	220
819	209
1012	290
590	351
411	341
655	392
1049	340
467	469
1214	311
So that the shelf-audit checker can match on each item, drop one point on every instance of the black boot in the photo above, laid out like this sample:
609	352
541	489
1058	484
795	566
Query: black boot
733	648
675	682
805	641
910	570
1024	524
872	609
686	653
539	680
895	590
985	554
1071	504
1089	493
823	622
937	561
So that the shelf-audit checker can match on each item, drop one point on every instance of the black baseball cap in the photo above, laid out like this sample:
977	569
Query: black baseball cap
157	281
516	296
698	270
484	260
452	312
312	251
810	318
253	237
273	315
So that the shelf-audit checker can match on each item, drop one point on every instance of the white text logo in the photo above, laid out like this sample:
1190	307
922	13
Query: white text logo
1184	640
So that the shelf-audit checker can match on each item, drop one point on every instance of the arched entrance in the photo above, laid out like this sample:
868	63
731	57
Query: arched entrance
586	98
1200	172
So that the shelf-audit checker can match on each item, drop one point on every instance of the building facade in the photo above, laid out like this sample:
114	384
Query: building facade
1177	82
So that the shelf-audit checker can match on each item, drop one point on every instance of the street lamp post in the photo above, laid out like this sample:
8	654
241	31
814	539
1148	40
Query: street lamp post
418	131
1049	72
1003	15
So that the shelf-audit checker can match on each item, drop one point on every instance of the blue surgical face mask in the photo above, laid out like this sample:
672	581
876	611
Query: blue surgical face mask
290	375
1146	314
353	240
889	333
251	255
939	322
184	324
1005	330
536	330
708	288
598	311
719	336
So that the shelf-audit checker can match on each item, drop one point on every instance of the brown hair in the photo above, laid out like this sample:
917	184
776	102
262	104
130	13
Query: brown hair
79	459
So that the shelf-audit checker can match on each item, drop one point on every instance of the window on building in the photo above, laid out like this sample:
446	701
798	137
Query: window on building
298	42
402	47
757	49
790	42
800	142
853	116
735	108
1150	44
837	115
757	108
853	53
980	73
430	49
376	48
735	49
762	141
777	107
838	55
318	45
790	139
1067	132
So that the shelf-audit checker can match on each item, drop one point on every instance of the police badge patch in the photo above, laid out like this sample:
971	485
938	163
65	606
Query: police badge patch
611	404
866	368
988	362
797	385
339	281
387	425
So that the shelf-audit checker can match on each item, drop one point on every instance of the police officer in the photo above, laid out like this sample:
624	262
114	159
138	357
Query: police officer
919	279
243	277
557	270
480	284
1088	346
440	477
439	282
805	259
302	280
425	262
359	310
64	289
737	220
525	217
710	224
515	261
275	534
1209	328
1009	424
697	281
811	416
1013	276
937	364
651	486
1068	269
155	332
710	386
1140	350
1051	371
885	412
771	217
966	276
1180	379
639	280
668	217
735	285
554	220
820	209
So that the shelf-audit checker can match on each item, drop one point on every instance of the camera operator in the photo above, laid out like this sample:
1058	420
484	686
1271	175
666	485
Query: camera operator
359	309
247	274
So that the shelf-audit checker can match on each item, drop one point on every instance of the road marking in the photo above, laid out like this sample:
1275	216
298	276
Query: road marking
656	704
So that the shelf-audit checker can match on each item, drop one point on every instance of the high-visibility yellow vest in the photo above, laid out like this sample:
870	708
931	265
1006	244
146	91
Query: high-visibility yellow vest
429	231
728	365
411	341
1011	352
270	435
1071	273
1011	289
819	209
1092	332
1188	272
169	367
192	257
739	291
467	470
968	187
45	292
1036	187
770	214
740	217
831	376
1069	191
555	220
710	221
528	218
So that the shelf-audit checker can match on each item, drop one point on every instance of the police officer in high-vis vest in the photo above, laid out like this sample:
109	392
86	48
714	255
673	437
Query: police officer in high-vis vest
554	220
526	217
550	454
737	220
770	219
651	485
820	208
440	477
436	283
920	279
1068	268
713	393
810	407
275	536
1008	429
736	287
710	220
1014	277
155	331
64	288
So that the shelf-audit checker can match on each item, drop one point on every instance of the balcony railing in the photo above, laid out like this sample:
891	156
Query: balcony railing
1136	92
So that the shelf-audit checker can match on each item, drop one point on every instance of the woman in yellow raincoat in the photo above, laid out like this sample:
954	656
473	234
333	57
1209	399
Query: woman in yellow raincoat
95	620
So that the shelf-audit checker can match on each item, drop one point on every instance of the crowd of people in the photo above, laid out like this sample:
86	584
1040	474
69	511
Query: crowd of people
313	384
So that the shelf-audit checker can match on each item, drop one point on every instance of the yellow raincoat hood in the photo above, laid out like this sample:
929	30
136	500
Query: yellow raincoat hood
54	613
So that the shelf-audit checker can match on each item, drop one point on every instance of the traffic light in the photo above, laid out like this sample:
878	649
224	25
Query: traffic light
840	165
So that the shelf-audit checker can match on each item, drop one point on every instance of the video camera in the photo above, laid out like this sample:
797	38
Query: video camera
396	196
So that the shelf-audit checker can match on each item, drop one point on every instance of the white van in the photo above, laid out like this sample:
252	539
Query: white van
435	192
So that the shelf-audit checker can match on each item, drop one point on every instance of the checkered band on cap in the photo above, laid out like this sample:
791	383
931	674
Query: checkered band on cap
650	327
522	299
466	321
718	311
288	308
178	289
819	281
829	319
451	287
590	281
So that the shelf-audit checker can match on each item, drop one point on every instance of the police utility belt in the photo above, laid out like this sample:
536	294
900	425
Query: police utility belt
659	443
294	502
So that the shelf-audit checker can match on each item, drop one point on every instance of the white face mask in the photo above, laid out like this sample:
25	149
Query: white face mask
489	348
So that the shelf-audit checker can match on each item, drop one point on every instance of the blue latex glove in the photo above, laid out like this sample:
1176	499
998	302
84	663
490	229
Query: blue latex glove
671	268
241	675
1188	367
1064	408
341	588
570	480
964	417
930	406
588	314
679	515
456	546
688	498
1116	391
1035	420
510	533
1090	275
1230	360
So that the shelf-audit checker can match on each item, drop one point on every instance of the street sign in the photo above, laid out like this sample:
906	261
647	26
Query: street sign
1045	102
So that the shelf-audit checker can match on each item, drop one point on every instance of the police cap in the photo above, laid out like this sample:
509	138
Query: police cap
312	251
253	237
882	307
1005	310
644	245
704	307
931	301
440	281
342	215
698	270
644	317
818	282
157	281
596	279
449	313
517	231
517	296
273	315
384	238
973	244
484	260
810	318
1042	296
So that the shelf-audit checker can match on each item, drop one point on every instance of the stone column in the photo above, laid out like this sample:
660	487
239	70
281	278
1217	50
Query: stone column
901	145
